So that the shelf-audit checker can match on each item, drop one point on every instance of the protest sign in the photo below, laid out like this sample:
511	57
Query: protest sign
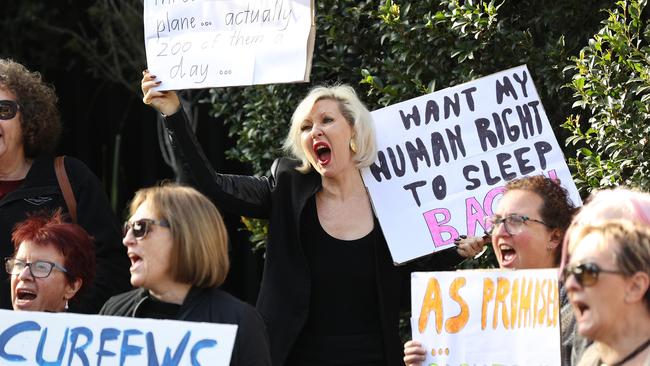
36	338
444	157
208	43
483	317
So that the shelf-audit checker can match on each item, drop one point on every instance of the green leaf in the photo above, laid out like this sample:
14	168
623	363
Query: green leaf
586	152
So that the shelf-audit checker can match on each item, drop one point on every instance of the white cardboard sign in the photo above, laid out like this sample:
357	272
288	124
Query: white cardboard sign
214	43
444	157
37	338
487	317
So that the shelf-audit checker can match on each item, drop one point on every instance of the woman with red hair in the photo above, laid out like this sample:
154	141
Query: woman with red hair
53	262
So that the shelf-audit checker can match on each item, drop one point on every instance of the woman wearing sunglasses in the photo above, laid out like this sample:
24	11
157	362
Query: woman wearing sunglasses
608	284
603	205
527	230
178	247
53	262
29	132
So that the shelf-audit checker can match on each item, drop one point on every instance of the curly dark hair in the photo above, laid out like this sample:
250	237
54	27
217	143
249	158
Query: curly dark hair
40	122
557	208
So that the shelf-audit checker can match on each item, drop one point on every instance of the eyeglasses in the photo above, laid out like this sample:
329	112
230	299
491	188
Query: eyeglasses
141	227
8	109
585	273
514	223
38	269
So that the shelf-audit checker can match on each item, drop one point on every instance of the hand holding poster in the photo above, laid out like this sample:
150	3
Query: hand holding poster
36	338
487	317
210	43
443	159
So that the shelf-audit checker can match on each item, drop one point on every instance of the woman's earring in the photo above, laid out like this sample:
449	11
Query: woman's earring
66	305
353	146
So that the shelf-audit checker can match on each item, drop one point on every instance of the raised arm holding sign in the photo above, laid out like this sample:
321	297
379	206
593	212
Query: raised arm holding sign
330	292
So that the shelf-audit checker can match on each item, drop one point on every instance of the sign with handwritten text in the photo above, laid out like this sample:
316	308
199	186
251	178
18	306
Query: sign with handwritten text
215	43
443	159
36	338
480	317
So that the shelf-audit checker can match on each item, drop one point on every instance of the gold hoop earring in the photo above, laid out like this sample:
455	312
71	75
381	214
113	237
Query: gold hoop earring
353	146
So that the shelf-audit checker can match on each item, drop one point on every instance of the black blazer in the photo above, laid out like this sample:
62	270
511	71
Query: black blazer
285	291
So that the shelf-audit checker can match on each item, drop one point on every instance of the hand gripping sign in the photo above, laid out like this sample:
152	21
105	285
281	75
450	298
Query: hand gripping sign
444	157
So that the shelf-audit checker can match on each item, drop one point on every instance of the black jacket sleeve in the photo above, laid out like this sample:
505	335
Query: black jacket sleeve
252	343
237	194
96	217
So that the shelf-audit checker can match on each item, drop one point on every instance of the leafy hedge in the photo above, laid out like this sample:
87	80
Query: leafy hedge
589	59
398	50
611	83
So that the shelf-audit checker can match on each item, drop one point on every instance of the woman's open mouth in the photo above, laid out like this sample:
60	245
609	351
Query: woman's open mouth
136	260
24	297
323	152
579	308
508	255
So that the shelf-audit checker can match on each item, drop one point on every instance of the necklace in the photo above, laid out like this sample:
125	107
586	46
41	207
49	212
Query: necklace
632	354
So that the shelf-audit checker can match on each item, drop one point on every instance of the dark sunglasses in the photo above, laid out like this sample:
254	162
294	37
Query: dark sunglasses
585	273
8	109
141	227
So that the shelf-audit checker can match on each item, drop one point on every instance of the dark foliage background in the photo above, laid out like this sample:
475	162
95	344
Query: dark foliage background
590	61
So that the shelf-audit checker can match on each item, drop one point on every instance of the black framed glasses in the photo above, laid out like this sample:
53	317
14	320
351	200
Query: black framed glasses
8	109
586	274
38	269
514	223
141	227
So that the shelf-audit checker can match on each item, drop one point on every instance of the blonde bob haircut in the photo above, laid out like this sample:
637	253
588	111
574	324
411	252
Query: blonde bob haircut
199	253
354	111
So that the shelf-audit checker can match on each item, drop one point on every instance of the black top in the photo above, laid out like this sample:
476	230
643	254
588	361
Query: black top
210	305
343	323
153	308
285	293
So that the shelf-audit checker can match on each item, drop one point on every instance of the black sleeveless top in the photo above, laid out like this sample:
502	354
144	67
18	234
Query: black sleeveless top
343	326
